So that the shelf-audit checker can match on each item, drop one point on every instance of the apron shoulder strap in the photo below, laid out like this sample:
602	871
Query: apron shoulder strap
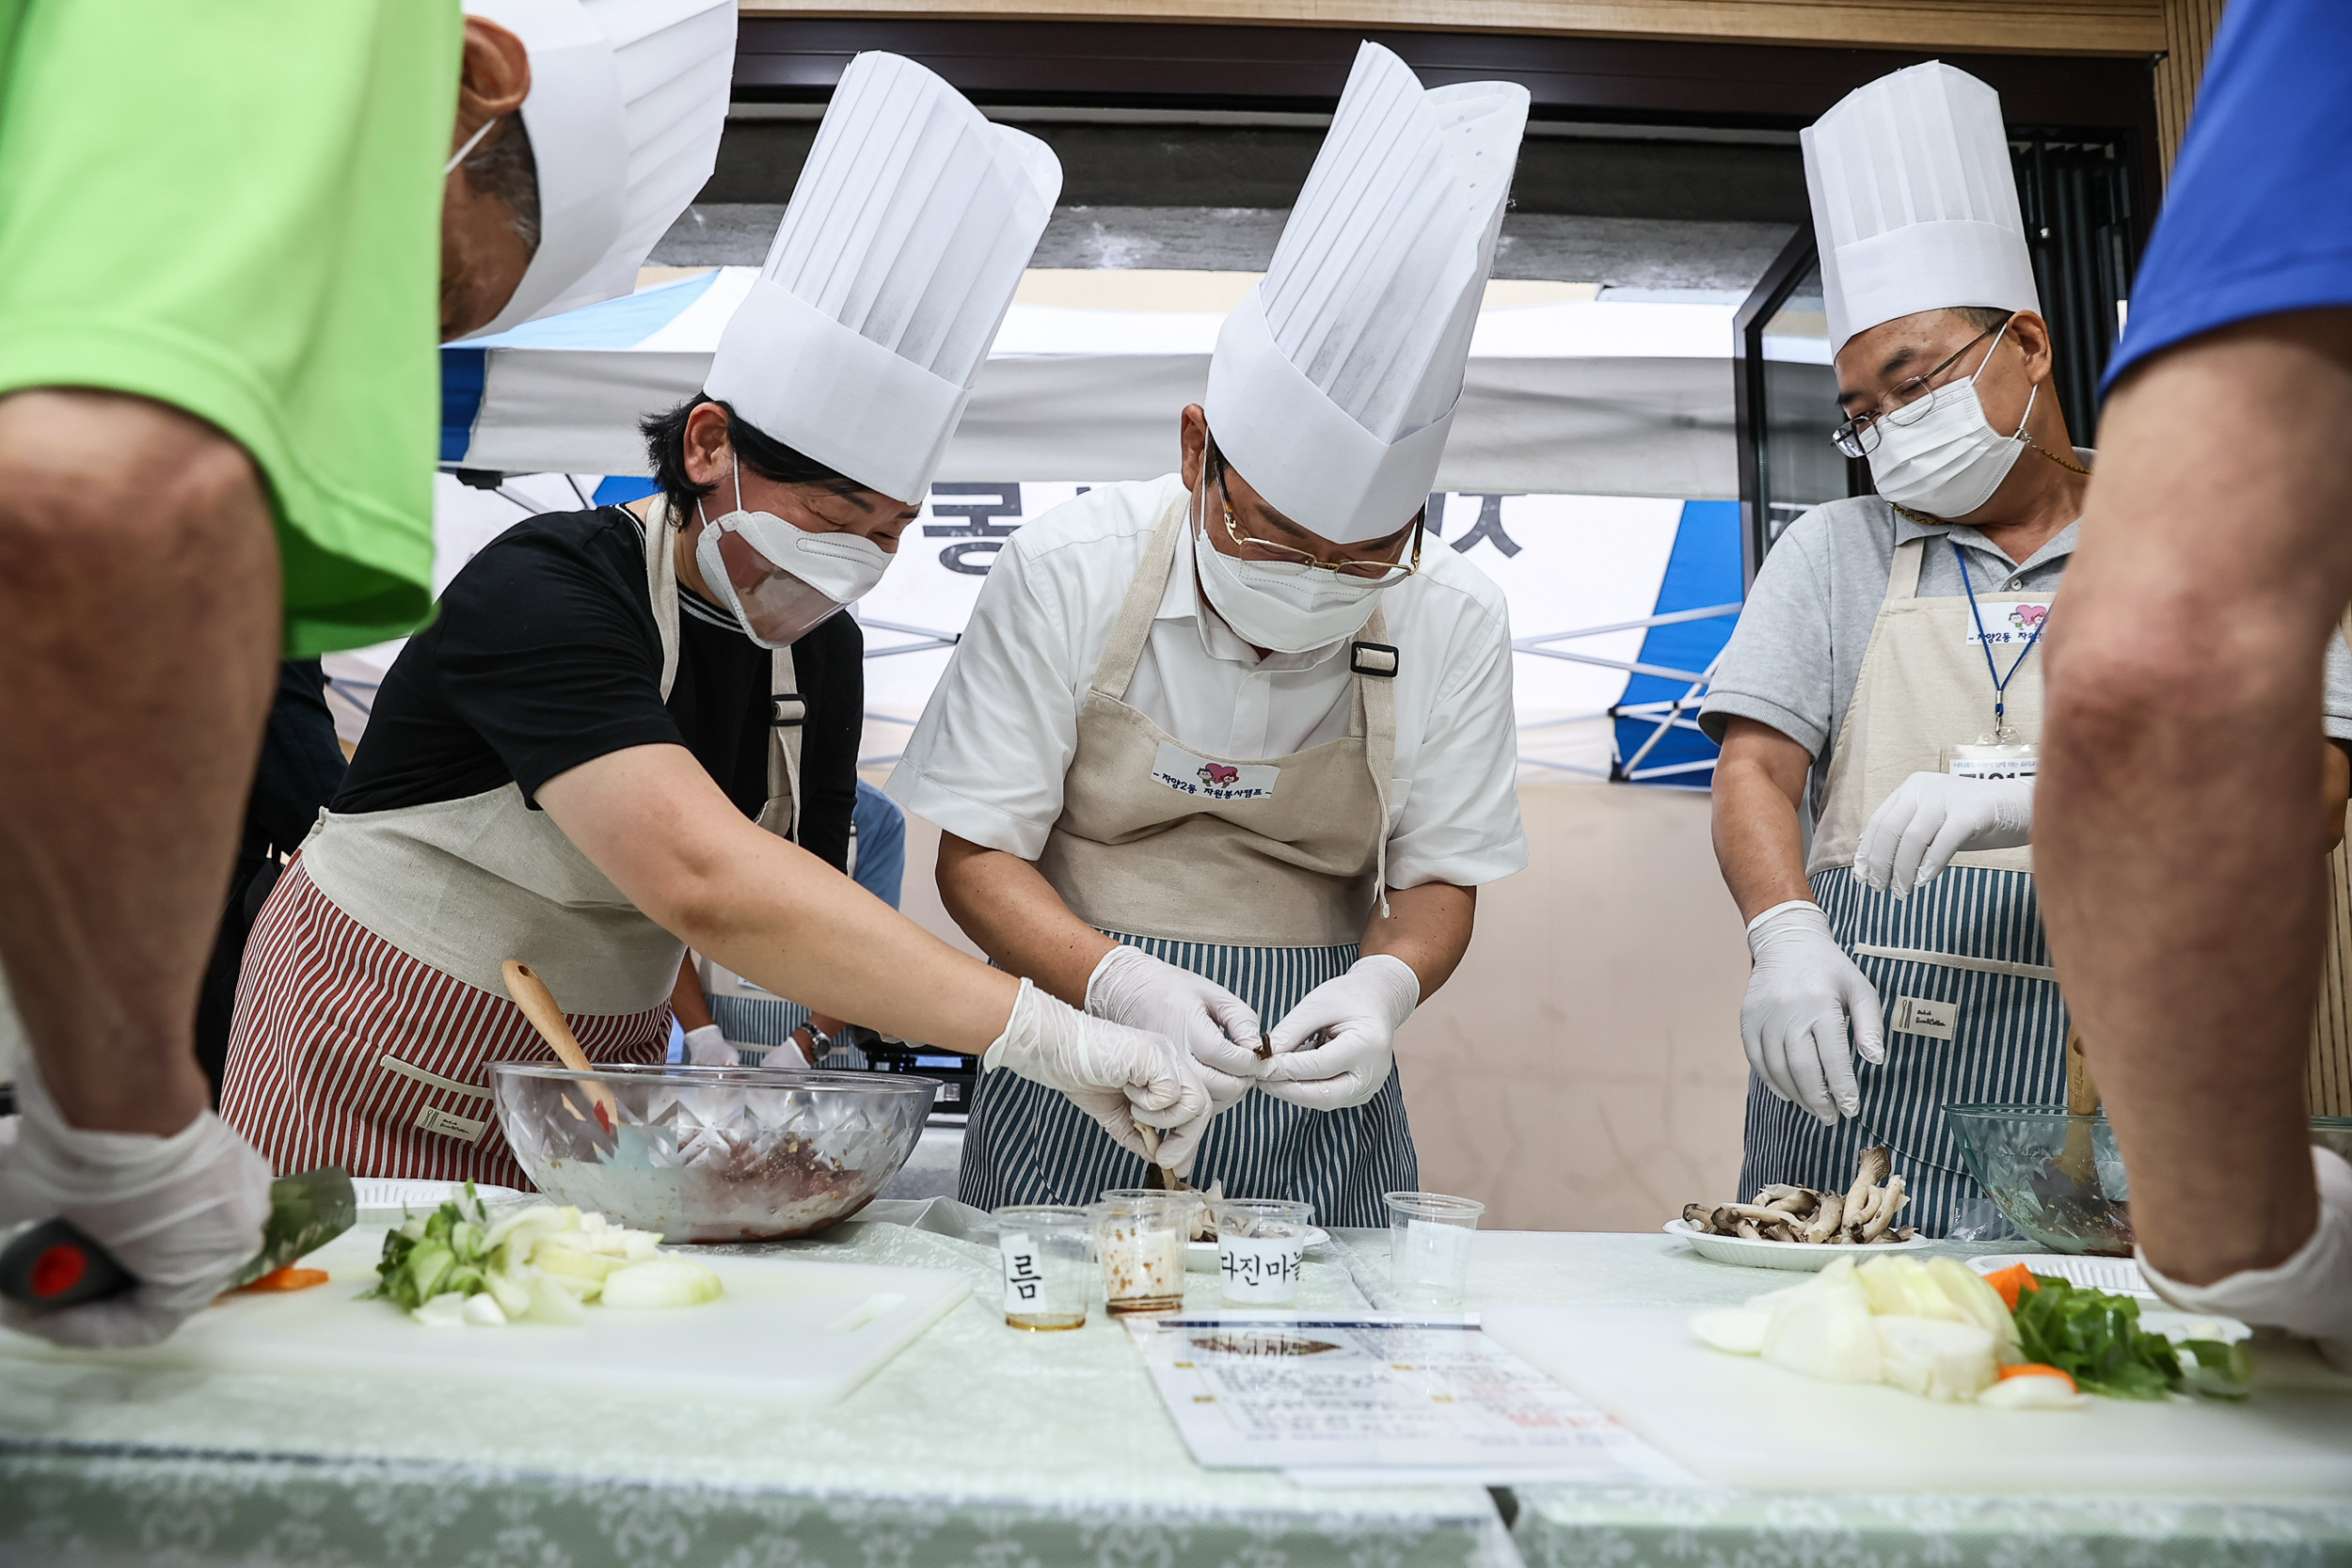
1126	648
1375	660
662	588
1902	573
787	718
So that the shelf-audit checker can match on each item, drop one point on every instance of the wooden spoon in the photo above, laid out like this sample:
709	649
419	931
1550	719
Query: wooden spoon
538	1004
2077	1160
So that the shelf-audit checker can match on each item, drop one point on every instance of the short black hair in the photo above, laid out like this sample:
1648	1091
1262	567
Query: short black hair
770	459
505	167
1984	318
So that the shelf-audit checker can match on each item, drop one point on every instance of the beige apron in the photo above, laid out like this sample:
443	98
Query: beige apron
1156	840
1258	875
1922	687
1972	1007
464	885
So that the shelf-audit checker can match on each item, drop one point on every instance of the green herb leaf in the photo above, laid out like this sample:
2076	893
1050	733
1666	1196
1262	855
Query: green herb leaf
2095	1337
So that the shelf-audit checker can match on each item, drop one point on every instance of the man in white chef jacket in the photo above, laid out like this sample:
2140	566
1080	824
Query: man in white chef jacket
1887	673
1228	754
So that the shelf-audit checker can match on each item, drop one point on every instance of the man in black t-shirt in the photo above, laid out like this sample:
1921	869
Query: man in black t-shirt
593	757
565	768
546	655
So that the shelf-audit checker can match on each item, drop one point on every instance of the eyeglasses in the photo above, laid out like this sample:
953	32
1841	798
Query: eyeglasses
1906	405
1382	572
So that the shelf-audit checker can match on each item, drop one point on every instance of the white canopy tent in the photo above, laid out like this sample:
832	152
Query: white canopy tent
1567	395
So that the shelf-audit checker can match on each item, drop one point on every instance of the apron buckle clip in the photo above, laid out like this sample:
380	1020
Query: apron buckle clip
1372	658
787	709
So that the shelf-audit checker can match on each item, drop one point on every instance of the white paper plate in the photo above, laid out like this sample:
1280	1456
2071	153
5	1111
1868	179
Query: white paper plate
2118	1274
387	1200
1202	1255
1802	1256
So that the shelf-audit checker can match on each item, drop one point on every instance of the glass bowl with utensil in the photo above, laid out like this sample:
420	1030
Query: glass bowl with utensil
712	1154
2060	1177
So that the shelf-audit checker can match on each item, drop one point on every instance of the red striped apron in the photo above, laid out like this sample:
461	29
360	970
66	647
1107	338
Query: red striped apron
348	1052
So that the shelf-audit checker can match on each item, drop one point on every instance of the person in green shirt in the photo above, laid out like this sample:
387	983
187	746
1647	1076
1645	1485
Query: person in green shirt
230	240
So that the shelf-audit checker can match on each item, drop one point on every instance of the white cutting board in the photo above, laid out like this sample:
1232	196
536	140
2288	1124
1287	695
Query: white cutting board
1736	1420
788	1331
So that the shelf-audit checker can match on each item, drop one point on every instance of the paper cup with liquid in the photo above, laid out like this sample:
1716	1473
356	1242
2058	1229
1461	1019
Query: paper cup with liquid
1048	1272
1429	1247
1140	1240
1261	1246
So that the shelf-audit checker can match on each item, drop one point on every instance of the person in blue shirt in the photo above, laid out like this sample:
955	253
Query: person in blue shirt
2181	863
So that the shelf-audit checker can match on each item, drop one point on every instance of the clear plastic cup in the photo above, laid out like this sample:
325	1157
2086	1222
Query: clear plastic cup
1140	1241
1047	1273
1196	1221
1260	1245
1429	1247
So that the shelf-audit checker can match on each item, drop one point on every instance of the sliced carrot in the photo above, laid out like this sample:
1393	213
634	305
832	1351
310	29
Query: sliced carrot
2039	1369
2012	1282
288	1278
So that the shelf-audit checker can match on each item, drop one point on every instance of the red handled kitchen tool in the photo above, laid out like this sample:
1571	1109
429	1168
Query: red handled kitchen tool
54	1266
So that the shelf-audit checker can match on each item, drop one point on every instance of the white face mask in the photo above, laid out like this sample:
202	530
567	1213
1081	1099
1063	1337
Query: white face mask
1951	460
1287	606
780	579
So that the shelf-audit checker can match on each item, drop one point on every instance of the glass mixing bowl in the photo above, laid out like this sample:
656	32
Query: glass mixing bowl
2061	1178
711	1153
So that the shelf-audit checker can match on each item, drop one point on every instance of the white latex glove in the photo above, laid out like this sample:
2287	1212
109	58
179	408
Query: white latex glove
181	1214
2309	1294
706	1047
1133	987
1932	816
1113	1073
1335	1048
1801	998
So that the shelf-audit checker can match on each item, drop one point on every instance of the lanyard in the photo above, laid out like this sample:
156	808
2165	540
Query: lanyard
2000	682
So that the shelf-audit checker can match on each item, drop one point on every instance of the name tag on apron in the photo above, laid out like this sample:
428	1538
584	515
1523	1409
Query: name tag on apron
449	1125
1916	1015
1187	774
1988	761
2009	623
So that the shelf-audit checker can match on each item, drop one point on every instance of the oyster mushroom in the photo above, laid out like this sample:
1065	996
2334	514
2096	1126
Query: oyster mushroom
1870	1170
1890	1198
1823	1224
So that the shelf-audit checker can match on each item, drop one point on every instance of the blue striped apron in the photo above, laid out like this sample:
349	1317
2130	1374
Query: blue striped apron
1972	938
1027	1144
1265	895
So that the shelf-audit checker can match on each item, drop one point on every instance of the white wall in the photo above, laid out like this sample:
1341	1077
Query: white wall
1582	1070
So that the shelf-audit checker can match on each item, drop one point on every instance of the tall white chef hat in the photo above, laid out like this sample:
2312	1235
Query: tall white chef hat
1334	383
1915	203
627	98
907	234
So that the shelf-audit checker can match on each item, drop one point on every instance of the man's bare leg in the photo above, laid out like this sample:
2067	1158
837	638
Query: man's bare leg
138	634
2178	849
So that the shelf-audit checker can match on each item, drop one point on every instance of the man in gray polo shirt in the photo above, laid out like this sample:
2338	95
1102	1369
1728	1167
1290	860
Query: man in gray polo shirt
1885	674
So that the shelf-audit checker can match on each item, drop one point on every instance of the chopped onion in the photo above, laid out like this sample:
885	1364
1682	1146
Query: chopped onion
1980	1302
1934	1357
446	1310
662	1282
552	1302
1736	1330
483	1311
1823	1329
